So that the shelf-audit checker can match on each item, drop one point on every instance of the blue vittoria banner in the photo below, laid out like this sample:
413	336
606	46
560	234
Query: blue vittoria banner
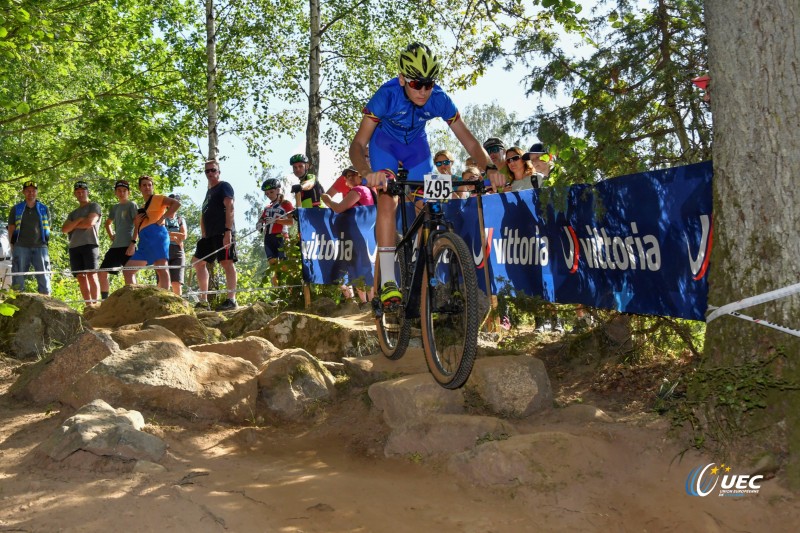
338	248
637	243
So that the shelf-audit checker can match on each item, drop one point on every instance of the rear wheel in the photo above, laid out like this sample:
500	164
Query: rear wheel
450	315
393	328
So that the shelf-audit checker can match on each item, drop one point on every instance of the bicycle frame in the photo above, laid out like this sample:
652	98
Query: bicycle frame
431	221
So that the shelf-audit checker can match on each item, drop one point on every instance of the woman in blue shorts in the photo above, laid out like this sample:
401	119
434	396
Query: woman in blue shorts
152	236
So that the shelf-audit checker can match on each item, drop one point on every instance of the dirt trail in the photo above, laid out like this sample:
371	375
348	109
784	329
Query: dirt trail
330	475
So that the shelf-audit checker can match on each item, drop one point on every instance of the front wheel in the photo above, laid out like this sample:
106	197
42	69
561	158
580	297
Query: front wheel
394	329
450	315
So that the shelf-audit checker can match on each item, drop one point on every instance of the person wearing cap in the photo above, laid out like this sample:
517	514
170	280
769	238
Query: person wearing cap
357	194
152	247
176	227
542	163
82	226
29	234
274	223
309	188
217	242
121	215
496	149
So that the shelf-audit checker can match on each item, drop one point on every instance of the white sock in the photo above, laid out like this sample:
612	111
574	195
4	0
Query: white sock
386	257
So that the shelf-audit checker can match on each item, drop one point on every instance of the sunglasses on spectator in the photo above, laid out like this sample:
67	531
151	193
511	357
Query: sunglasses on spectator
210	170
513	158
444	162
494	149
418	85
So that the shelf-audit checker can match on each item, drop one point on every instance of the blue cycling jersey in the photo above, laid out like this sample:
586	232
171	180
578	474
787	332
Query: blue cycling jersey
399	118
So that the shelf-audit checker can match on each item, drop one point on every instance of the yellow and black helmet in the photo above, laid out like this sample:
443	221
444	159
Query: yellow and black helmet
417	62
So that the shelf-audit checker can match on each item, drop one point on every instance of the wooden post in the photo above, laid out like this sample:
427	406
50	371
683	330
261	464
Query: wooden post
306	287
492	321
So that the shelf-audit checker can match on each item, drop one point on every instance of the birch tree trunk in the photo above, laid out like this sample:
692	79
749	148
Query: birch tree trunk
211	79
314	100
754	58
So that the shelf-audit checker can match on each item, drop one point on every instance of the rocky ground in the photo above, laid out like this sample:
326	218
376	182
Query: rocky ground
329	472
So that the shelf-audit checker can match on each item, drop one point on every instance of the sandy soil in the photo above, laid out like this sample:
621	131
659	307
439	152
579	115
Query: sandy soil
330	475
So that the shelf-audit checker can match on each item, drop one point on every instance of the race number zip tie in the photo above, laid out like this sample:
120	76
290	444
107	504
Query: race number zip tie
777	294
762	322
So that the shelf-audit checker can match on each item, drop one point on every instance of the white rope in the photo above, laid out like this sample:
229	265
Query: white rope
763	322
728	309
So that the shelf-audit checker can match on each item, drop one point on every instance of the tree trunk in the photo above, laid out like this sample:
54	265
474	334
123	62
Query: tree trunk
754	58
314	101
211	80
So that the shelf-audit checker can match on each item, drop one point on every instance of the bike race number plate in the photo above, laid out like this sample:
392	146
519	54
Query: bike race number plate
438	187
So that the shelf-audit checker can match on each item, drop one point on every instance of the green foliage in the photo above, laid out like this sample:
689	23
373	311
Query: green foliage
632	105
724	404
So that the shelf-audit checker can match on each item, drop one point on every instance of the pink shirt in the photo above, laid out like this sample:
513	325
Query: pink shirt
364	195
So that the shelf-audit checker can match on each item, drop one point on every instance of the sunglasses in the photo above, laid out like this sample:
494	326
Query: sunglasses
494	149
210	170
418	85
444	162
513	158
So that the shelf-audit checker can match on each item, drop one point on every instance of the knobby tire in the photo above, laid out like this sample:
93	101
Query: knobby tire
450	314
394	329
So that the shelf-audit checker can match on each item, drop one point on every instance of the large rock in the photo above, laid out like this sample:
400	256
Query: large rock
411	398
40	324
250	318
100	429
294	382
364	371
511	386
164	377
187	327
257	350
45	381
134	304
329	339
127	336
439	434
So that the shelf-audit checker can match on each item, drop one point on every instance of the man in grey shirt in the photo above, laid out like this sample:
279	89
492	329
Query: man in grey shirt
82	225
29	232
121	215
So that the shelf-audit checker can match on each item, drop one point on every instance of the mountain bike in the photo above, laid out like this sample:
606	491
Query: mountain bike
435	273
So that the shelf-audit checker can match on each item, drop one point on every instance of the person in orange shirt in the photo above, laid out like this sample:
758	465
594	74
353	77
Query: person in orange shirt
152	236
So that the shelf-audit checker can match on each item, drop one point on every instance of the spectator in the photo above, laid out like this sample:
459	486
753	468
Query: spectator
542	163
358	195
29	233
217	242
274	223
121	215
82	227
340	185
497	153
309	188
522	174
176	227
443	161
469	174
153	237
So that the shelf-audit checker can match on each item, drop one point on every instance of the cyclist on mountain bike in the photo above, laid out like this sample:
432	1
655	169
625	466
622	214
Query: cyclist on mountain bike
394	128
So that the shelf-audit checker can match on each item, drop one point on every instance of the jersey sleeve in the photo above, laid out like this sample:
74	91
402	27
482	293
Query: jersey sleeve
446	108
377	106
227	188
